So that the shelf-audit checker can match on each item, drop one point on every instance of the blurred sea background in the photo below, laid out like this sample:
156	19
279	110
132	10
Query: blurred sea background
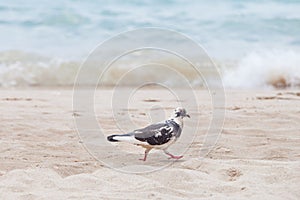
256	44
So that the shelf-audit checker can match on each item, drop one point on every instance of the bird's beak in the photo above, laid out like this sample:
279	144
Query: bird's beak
187	116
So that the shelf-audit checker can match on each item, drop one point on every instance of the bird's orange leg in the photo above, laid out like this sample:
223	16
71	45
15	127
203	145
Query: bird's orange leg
146	154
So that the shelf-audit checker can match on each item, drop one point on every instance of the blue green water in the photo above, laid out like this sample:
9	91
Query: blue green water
73	27
70	29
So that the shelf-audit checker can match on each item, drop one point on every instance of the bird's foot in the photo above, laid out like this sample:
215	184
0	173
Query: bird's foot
143	159
172	156
175	157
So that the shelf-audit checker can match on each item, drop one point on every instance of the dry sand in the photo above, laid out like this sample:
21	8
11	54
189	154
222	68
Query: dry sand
256	157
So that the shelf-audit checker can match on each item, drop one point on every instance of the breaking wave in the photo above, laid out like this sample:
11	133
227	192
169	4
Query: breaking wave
19	69
25	69
265	69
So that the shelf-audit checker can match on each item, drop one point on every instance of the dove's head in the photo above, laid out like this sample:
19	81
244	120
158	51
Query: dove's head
180	112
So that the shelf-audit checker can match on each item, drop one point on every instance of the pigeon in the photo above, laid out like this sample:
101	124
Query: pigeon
156	136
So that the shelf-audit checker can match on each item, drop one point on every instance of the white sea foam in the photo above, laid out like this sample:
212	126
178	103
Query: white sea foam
19	69
25	69
265	69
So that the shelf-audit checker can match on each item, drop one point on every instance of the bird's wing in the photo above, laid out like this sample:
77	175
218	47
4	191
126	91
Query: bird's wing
155	134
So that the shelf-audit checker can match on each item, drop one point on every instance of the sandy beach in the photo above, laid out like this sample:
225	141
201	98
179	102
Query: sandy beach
256	157
74	74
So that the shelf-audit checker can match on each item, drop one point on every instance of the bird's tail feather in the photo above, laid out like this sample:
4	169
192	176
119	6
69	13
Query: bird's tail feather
111	138
119	138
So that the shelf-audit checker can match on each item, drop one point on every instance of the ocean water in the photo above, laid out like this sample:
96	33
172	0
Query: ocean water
254	43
